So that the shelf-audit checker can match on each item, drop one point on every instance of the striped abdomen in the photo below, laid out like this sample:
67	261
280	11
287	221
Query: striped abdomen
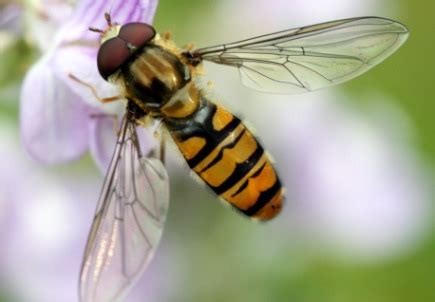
224	153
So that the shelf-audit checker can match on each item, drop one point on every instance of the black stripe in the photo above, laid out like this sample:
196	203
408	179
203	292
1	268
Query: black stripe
221	151
195	124
245	184
200	124
241	170
263	199
212	141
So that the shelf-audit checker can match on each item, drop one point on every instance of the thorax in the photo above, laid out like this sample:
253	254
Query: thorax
160	83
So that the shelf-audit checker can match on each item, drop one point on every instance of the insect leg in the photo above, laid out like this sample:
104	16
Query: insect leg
161	136
162	148
94	91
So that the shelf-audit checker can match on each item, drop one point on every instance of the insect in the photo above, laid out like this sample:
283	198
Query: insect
158	80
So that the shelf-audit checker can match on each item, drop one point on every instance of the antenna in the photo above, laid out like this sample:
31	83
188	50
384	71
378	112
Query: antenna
111	7
107	16
97	30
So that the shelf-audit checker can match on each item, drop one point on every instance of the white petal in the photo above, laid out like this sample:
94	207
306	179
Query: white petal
91	14
79	62
43	19
52	117
103	132
103	137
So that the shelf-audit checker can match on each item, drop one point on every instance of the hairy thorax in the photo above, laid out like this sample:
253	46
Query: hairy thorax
160	82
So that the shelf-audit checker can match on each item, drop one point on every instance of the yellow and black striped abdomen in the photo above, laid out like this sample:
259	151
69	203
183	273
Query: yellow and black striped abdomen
224	153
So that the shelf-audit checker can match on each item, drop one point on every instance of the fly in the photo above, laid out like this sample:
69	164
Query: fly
158	80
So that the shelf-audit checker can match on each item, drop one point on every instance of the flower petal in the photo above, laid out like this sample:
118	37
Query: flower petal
10	25
43	19
52	117
102	139
80	63
10	19
91	14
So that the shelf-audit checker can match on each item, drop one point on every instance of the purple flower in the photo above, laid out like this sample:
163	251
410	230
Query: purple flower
10	24
61	118
44	221
43	233
36	20
355	187
10	16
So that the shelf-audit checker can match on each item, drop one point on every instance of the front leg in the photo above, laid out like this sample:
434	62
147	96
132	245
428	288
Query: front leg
94	91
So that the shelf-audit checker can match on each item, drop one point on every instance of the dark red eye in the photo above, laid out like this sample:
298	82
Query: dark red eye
112	54
136	33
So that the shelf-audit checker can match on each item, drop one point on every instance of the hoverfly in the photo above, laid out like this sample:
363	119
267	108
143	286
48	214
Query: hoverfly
158	80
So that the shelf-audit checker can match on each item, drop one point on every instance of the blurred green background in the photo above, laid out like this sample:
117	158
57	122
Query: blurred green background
211	253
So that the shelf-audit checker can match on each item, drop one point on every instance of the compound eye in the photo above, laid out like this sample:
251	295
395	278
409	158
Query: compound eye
137	33
112	54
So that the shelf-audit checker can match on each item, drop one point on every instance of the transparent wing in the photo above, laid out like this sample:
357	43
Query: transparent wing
128	222
312	57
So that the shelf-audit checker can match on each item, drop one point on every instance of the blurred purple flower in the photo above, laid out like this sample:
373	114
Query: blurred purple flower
10	24
44	221
42	19
10	16
36	20
42	233
355	187
56	123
